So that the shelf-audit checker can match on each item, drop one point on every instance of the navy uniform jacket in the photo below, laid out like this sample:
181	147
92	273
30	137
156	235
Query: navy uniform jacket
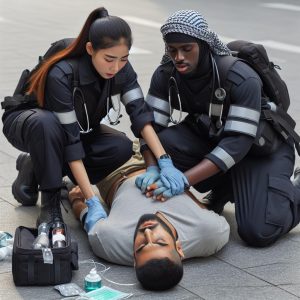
95	90
240	118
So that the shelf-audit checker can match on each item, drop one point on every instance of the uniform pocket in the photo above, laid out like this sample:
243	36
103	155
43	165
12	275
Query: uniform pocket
280	198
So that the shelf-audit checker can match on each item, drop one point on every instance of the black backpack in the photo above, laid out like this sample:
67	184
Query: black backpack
255	55
274	88
20	100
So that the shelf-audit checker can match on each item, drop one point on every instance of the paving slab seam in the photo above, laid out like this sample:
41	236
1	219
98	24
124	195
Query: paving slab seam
6	201
191	292
257	277
264	265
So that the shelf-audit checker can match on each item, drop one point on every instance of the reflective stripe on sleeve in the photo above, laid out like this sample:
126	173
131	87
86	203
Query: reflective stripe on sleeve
161	119
158	103
241	127
66	117
132	95
244	113
223	156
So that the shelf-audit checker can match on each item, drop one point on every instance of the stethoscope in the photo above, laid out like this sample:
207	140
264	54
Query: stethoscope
109	100
219	93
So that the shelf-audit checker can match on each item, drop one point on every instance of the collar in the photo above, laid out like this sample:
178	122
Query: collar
87	72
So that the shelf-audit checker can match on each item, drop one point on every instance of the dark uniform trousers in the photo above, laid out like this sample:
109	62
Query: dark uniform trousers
39	132
267	205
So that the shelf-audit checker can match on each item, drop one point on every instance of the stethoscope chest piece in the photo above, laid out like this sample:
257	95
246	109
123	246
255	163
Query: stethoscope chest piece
220	94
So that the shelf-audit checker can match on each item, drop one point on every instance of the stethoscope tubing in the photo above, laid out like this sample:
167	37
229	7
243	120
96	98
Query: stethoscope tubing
109	100
219	93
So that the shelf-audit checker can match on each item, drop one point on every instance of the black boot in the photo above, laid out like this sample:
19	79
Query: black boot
50	208
296	180
25	187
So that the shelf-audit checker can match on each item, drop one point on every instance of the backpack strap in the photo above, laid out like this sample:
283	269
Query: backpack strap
224	64
281	121
74	65
284	124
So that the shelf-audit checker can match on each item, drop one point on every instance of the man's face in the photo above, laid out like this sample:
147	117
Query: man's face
153	239
185	56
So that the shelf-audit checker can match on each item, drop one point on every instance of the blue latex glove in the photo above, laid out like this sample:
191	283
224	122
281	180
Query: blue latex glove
95	213
162	190
147	178
171	177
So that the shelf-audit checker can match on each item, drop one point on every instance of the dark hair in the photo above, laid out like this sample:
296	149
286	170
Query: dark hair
102	30
159	274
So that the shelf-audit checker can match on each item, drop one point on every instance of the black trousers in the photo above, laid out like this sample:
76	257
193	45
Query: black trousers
39	133
267	205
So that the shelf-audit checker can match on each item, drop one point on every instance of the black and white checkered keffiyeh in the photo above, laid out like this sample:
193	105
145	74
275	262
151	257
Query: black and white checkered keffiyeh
192	23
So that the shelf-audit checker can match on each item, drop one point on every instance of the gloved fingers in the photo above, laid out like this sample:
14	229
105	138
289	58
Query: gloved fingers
145	182
164	196
170	183
153	179
165	181
148	180
139	180
157	184
167	194
159	191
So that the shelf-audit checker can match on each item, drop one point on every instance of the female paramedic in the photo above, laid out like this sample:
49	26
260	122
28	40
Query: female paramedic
63	135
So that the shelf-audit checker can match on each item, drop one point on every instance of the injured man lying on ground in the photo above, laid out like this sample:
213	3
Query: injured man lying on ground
150	235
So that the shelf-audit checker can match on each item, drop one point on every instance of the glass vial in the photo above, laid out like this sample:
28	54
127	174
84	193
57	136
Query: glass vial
42	240
58	235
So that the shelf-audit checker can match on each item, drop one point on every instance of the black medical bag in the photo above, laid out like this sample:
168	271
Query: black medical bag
28	265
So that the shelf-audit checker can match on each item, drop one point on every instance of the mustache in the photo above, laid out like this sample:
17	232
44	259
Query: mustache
181	63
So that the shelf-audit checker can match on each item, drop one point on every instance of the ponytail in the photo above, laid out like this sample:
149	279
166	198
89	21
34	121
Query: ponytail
77	48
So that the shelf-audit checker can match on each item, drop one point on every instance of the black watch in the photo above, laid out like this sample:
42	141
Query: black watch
165	156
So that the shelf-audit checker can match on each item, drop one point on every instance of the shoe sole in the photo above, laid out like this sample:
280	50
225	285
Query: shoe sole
15	190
